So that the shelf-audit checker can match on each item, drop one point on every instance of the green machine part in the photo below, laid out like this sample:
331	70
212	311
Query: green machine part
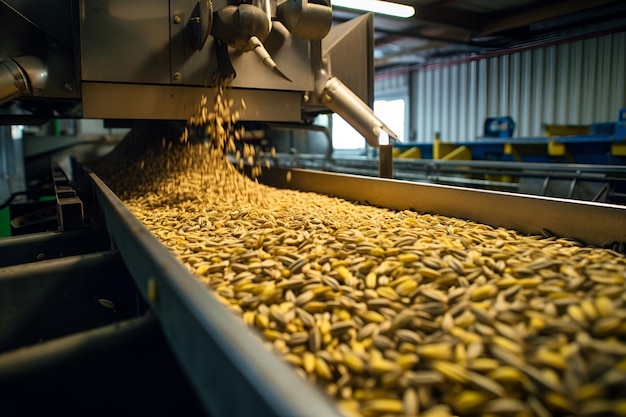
5	223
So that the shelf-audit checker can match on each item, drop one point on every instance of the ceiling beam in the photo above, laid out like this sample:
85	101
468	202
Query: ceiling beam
416	33
387	58
444	13
527	16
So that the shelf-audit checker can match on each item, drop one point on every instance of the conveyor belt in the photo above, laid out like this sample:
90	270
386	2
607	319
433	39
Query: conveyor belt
231	371
592	223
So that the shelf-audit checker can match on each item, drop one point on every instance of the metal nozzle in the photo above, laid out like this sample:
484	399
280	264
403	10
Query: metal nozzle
340	99
257	46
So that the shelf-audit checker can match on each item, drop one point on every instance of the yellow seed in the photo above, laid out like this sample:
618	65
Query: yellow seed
344	273
530	282
308	362
349	407
262	321
315	307
325	327
507	282
465	336
536	323
353	362
483	364
407	360
320	290
293	359
590	310
272	335
558	402
550	358
322	369
400	280
370	280
372	316
406	347
507	374
406	258
507	344
604	306
298	350
460	353
467	401
383	366
248	318
245	287
452	371
429	273
202	269
436	351
577	313
384	405
407	287
387	292
357	347
483	292
410	402
268	293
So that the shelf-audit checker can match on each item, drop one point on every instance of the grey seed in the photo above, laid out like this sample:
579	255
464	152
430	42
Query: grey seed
106	303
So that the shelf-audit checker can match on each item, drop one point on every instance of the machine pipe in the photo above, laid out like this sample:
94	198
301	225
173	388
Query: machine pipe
12	81
20	77
306	19
340	99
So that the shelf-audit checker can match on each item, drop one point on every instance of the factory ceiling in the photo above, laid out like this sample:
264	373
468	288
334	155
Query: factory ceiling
443	29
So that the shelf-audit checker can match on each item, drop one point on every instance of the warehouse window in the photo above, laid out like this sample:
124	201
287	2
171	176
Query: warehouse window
391	111
344	136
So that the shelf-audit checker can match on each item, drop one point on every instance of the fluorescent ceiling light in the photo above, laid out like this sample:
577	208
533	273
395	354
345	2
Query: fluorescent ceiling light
377	6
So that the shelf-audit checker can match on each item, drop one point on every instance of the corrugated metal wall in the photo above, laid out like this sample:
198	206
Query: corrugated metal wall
395	83
572	83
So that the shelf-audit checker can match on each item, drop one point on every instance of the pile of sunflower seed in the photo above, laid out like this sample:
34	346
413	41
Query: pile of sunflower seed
393	313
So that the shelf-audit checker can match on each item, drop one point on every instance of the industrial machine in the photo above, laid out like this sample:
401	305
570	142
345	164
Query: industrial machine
103	292
154	60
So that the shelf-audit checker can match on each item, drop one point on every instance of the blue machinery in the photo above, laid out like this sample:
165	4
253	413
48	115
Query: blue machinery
605	144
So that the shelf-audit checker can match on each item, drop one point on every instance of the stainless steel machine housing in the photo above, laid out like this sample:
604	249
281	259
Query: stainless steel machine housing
114	59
